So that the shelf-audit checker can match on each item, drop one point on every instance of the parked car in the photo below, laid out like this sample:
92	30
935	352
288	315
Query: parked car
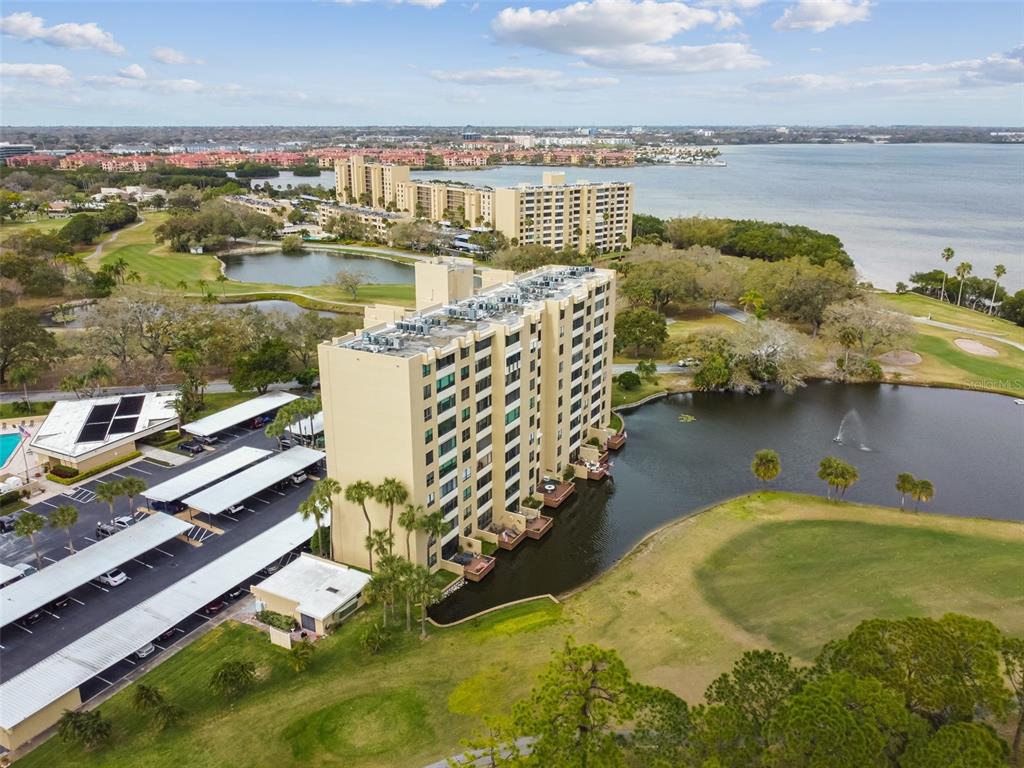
168	634
61	602
113	578
207	439
299	478
235	593
215	607
168	506
147	650
235	509
270	570
27	569
7	523
123	521
30	618
103	530
192	446
260	421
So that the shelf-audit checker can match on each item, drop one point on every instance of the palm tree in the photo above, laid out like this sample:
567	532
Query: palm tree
923	491
231	678
147	697
222	278
433	525
963	269
427	592
380	541
85	727
65	516
409	519
752	301
390	492
28	524
309	509
838	474
301	656
905	484
357	493
947	256
846	476
999	271
326	489
108	493
766	465
131	487
24	373
276	428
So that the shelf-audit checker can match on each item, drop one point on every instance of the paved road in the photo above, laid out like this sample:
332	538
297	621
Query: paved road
94	605
46	395
662	368
732	313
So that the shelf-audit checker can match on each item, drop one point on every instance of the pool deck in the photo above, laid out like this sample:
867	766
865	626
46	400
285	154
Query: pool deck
21	461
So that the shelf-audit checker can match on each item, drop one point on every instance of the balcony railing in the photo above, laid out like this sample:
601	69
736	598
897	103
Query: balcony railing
555	492
537	527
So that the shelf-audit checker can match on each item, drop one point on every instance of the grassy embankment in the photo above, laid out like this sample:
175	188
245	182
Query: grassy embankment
769	570
158	266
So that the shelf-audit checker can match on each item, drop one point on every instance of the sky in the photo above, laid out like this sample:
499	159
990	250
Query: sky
449	62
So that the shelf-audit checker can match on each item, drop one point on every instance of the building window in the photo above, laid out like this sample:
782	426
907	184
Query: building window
429	458
428	413
426	391
444	382
426	369
447	467
468	530
430	481
466	493
465	414
428	435
464	352
464	374
512	415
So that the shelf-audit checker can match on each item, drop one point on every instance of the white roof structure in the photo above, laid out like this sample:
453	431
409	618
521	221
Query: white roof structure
205	474
7	573
45	586
301	427
319	586
240	487
236	414
43	683
74	429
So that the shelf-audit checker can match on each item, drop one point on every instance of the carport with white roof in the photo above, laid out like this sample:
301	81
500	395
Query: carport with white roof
245	484
238	414
32	701
208	473
43	587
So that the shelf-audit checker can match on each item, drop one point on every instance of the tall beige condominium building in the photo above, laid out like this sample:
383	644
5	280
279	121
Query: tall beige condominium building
371	184
471	402
561	215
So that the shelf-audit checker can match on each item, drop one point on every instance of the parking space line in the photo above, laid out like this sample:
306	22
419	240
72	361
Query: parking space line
91	541
118	474
157	549
102	589
141	563
23	629
76	600
129	661
138	469
104	680
259	499
47	557
159	647
54	615
48	504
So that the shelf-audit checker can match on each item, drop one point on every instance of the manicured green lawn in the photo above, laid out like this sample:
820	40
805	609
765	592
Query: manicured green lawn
785	569
1002	374
17	410
774	581
925	306
218	401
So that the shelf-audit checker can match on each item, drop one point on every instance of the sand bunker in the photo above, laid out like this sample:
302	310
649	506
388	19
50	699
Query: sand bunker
976	348
900	357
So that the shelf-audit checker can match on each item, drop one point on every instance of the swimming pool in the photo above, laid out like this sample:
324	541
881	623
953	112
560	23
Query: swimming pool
8	445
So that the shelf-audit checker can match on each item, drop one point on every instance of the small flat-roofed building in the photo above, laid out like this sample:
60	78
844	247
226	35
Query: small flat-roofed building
88	433
317	593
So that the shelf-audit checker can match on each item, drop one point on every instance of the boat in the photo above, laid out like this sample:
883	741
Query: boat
1018	401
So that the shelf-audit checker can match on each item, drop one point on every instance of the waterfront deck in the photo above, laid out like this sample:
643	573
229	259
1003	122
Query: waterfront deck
555	492
509	539
616	441
597	470
537	527
478	567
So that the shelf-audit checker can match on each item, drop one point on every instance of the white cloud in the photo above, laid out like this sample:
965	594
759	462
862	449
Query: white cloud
46	74
133	71
598	24
995	69
550	79
25	26
167	55
743	5
626	34
813	84
819	15
172	85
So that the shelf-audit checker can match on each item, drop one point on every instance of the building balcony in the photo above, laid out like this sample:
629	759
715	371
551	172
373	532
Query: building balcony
478	567
616	441
555	492
595	470
509	538
537	527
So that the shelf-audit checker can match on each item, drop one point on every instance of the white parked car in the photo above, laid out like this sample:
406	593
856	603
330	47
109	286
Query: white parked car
113	578
299	478
124	521
235	509
147	650
688	362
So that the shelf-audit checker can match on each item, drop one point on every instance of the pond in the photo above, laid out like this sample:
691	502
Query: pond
279	305
313	267
969	444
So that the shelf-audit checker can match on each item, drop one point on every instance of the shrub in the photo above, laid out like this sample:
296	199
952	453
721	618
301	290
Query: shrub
628	381
375	638
161	439
531	502
276	620
89	473
9	498
62	471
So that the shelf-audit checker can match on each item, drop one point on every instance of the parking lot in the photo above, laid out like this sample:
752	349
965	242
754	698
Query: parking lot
93	604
